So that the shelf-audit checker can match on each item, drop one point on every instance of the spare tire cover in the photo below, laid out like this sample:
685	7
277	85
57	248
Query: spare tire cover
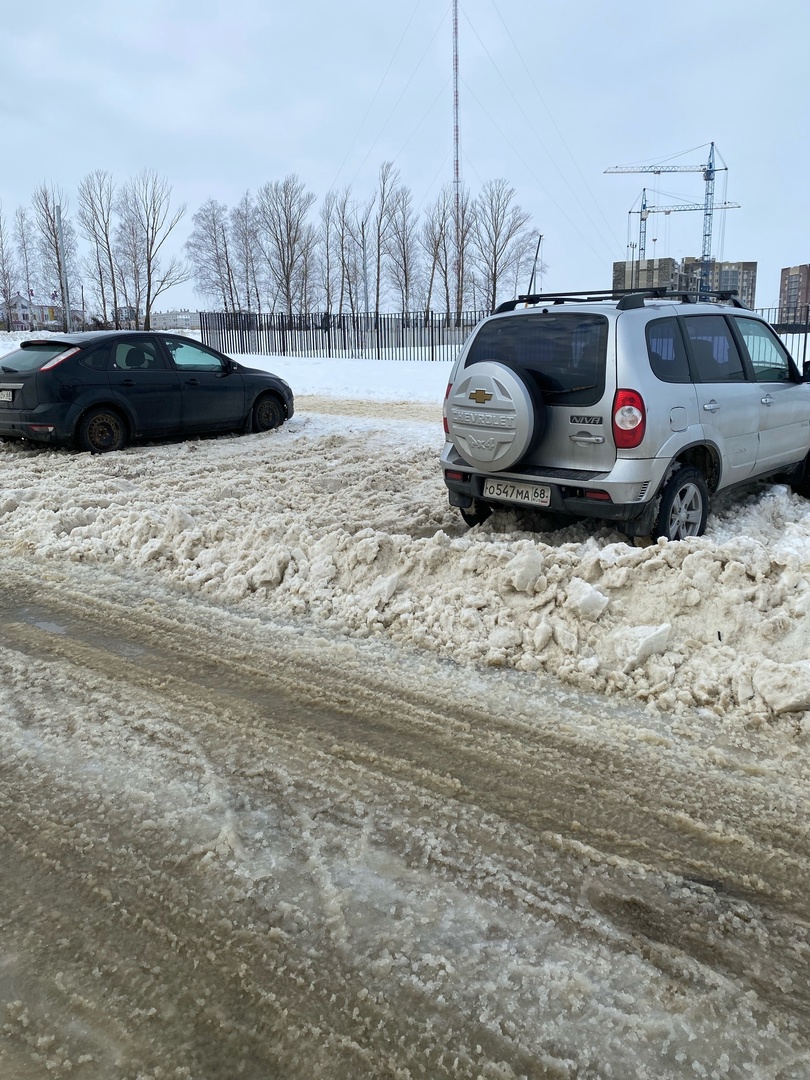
490	415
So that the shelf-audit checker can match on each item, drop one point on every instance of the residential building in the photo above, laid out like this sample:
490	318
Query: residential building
739	277
685	276
646	274
175	320
32	313
794	293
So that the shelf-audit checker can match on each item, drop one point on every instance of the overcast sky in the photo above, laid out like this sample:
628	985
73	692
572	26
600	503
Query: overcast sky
221	98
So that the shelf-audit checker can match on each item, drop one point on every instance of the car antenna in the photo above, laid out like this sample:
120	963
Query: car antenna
534	264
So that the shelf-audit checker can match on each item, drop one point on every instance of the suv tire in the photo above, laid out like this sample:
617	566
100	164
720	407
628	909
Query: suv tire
684	505
476	514
495	415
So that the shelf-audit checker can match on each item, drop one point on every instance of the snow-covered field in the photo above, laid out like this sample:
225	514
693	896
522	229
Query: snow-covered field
555	804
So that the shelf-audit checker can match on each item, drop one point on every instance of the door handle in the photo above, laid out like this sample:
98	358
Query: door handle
192	382
588	440
128	382
768	400
711	406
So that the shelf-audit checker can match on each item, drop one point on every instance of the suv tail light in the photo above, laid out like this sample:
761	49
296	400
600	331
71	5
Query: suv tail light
629	419
444	407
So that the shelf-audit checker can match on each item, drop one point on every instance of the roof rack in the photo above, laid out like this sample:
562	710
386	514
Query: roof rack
628	298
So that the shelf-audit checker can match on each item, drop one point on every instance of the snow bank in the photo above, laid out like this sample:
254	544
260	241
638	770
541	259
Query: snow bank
344	521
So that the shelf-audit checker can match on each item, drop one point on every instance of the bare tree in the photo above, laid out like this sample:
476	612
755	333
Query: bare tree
57	243
283	235
96	208
464	211
245	250
499	237
402	246
387	183
8	271
209	253
328	248
144	206
433	239
350	253
23	238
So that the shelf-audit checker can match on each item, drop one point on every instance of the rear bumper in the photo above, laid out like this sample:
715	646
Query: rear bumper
47	424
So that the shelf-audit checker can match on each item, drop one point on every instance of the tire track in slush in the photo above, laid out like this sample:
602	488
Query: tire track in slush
247	849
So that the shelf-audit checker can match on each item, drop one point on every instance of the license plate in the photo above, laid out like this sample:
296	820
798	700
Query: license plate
527	494
5	395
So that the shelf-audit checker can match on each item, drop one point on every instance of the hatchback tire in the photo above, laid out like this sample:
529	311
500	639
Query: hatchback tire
267	414
684	505
101	431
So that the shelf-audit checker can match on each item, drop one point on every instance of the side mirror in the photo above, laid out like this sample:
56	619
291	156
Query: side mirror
806	371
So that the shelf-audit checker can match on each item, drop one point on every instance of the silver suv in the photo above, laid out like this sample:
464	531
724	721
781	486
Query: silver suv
628	407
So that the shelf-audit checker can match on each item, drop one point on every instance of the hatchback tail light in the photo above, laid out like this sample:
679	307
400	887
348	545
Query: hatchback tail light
629	419
58	359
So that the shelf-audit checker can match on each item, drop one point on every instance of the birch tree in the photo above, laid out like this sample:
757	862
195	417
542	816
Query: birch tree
97	197
208	250
8	271
147	221
283	236
24	243
246	254
56	250
499	237
402	246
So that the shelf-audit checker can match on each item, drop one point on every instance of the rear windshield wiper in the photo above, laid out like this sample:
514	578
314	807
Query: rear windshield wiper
570	389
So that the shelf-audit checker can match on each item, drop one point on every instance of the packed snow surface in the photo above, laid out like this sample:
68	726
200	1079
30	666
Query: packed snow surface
304	778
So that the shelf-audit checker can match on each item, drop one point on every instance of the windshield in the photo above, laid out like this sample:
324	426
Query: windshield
32	357
565	352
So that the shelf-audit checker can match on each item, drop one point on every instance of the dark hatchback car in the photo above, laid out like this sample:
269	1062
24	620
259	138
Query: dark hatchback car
101	389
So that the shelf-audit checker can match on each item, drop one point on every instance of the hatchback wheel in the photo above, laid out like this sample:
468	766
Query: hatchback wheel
102	430
684	505
267	414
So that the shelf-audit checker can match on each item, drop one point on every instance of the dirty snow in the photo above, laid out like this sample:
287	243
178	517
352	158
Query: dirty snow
300	777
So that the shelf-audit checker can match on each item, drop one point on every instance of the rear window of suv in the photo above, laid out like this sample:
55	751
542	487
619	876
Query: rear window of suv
565	353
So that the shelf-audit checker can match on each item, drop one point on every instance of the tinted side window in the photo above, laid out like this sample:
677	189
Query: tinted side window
667	351
95	358
190	357
566	353
769	357
716	356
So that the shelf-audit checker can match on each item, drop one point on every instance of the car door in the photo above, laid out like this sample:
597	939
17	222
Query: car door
728	403
784	401
138	372
213	394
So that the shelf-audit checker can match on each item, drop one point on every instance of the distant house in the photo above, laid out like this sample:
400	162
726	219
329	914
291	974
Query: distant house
32	313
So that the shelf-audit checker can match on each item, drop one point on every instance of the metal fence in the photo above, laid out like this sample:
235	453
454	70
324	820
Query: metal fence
412	336
793	327
416	335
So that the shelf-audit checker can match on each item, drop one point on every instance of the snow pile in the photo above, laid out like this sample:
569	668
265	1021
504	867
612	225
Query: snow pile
345	521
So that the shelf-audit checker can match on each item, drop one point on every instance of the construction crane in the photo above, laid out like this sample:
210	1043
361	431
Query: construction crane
646	210
708	169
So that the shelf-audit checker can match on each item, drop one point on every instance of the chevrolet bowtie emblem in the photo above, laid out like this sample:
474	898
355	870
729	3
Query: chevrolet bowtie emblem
480	396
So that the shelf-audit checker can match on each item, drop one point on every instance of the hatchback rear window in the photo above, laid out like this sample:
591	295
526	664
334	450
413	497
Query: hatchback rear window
32	357
565	353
